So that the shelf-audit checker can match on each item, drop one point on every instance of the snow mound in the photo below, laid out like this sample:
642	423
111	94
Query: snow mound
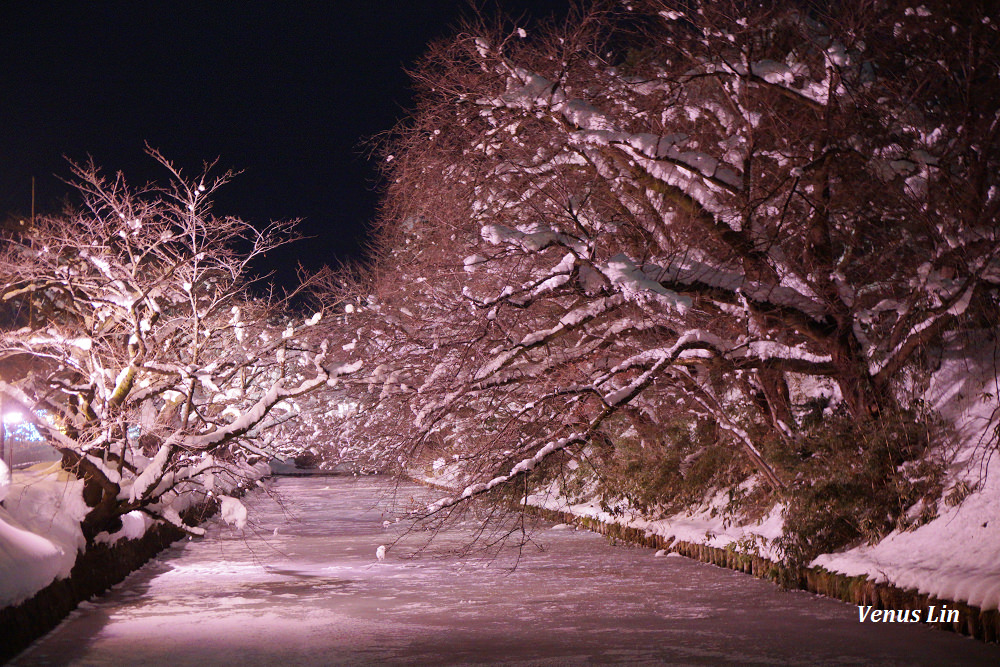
233	512
40	531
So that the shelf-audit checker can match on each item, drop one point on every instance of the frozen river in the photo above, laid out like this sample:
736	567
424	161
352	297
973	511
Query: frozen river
302	586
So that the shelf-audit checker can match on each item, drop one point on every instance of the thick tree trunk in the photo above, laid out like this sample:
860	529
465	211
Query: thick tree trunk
99	493
864	396
779	405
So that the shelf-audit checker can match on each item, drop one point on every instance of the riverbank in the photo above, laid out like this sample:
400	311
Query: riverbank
47	567
969	620
95	571
949	558
741	553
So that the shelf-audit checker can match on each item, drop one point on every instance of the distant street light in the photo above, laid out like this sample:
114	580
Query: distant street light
7	418
3	437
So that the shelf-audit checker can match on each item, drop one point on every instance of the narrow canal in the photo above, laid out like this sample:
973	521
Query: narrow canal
302	586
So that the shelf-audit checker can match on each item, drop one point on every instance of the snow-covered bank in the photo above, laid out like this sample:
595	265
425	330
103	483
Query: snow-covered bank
41	509
952	558
707	525
46	572
40	532
960	583
956	556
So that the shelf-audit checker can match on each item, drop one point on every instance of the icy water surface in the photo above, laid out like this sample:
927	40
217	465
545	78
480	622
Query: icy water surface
313	593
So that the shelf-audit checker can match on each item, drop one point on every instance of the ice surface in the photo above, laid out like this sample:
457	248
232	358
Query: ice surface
313	594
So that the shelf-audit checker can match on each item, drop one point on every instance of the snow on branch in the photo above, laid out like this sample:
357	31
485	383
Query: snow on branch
568	322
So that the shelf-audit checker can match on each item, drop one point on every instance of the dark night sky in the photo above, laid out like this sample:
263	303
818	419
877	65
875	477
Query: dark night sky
284	91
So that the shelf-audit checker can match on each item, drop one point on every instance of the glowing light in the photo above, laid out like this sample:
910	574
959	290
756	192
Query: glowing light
13	418
349	308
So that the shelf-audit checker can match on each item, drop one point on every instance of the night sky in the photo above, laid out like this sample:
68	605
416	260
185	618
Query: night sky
286	92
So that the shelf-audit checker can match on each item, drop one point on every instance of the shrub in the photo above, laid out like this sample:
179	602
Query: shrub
663	474
855	480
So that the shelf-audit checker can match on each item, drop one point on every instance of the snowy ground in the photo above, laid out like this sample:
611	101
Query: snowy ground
957	555
314	593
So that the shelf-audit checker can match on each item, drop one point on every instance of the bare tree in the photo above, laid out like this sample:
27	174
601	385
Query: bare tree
137	349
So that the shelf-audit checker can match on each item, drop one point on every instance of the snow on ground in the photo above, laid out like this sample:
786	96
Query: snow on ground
957	555
39	529
707	525
42	507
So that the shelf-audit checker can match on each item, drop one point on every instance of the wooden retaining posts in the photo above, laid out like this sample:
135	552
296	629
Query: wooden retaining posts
983	625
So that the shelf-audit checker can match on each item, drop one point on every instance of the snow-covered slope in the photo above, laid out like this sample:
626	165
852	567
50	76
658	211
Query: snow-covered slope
40	532
957	555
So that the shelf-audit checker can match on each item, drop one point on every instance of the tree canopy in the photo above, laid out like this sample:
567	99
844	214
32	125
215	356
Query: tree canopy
678	213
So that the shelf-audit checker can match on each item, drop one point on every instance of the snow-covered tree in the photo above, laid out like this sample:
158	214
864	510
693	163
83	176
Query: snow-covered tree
134	345
689	211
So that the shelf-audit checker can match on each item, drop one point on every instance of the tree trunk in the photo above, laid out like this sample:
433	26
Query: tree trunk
99	493
776	393
865	398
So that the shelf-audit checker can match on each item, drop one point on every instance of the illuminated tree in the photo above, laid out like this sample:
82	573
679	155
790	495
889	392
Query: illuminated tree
137	350
669	212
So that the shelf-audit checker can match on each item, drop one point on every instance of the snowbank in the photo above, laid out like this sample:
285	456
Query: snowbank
40	532
957	555
706	526
954	557
42	508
